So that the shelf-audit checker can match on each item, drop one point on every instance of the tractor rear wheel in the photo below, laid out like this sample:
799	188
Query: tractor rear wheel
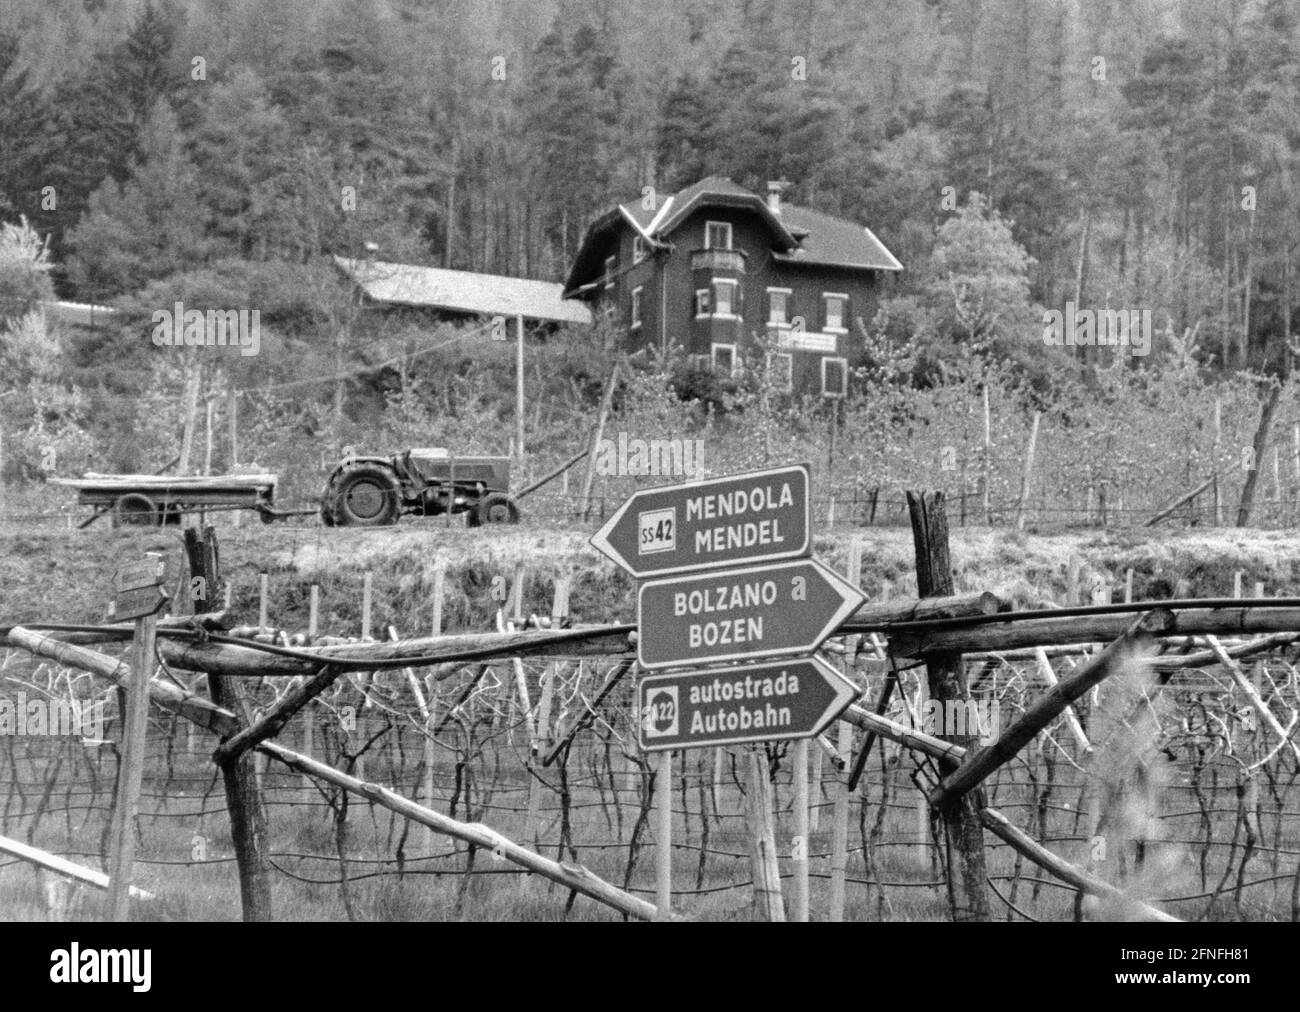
495	508
363	495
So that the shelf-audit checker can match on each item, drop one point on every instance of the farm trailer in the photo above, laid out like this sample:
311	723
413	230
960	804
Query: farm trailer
152	500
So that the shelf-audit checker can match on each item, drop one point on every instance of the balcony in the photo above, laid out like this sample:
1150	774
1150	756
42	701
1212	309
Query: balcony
715	260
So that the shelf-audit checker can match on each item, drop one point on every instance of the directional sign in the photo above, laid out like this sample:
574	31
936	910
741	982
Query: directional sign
146	572
137	589
752	702
741	614
755	517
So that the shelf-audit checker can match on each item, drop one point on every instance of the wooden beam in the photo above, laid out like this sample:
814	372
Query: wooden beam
167	695
62	866
879	617
998	824
1188	497
1097	628
573	876
1137	643
1253	697
245	662
910	737
271	723
966	870
244	802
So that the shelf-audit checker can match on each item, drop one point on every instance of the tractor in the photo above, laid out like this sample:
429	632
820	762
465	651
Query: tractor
375	491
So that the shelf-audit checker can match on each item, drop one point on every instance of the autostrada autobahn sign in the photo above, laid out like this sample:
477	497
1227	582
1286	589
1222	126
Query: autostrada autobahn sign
745	703
755	517
769	610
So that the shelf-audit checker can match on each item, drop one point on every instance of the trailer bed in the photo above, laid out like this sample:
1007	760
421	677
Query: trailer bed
150	499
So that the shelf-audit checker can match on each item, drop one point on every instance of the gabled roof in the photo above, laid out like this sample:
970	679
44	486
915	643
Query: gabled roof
799	235
462	291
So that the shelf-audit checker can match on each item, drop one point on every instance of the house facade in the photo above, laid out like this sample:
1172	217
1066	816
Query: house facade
735	278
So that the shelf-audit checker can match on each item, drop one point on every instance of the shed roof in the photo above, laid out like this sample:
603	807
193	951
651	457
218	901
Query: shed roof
462	291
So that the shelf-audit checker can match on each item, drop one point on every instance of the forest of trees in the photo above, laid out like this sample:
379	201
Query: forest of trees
1014	154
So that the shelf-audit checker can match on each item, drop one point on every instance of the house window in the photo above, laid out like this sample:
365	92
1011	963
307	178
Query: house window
610	264
780	370
778	306
717	235
702	302
724	297
640	250
636	306
833	312
723	359
835	377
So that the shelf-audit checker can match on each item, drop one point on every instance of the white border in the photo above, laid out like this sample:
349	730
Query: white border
817	661
853	600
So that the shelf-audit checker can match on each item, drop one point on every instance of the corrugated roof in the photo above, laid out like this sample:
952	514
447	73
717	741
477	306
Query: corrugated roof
462	291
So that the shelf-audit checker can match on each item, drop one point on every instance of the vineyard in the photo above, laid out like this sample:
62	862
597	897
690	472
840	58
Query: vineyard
499	774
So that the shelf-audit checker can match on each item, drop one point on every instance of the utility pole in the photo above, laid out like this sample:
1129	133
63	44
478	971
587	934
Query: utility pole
519	391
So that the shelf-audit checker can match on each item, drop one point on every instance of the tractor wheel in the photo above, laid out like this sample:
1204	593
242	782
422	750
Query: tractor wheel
136	510
493	509
363	495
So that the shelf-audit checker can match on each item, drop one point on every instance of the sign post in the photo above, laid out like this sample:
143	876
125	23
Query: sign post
727	579
138	594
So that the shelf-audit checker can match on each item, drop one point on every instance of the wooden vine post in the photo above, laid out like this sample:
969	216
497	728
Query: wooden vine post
963	831
248	819
134	705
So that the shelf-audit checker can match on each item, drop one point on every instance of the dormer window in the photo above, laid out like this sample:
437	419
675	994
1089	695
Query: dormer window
717	235
640	249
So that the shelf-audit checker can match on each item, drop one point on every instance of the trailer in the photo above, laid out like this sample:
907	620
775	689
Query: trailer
151	500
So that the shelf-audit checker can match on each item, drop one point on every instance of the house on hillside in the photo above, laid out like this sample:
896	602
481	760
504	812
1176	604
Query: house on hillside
731	276
459	295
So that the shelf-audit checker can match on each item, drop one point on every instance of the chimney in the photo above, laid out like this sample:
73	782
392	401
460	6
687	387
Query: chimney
774	188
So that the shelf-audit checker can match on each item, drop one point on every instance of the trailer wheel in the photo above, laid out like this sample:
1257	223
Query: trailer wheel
496	508
136	510
363	495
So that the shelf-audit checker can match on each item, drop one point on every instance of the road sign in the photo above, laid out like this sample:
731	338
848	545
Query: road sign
137	589
146	572
754	517
752	702
768	610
